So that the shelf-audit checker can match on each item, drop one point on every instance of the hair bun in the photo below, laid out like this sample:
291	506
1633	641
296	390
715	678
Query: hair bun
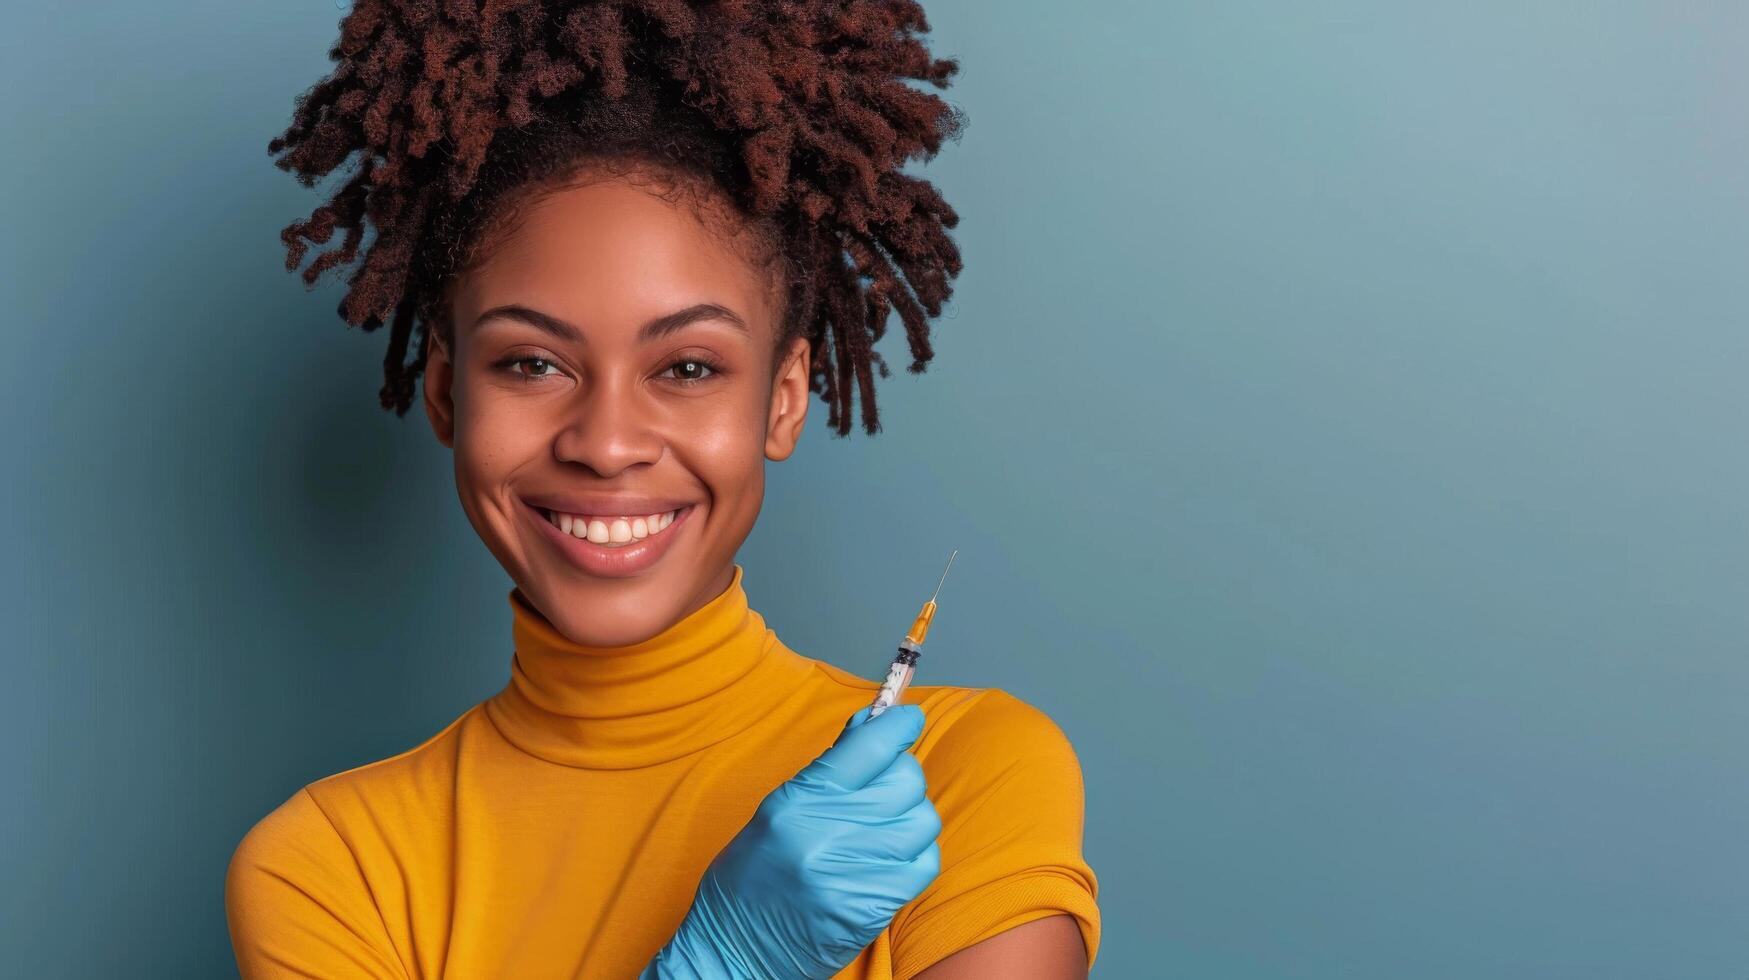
801	111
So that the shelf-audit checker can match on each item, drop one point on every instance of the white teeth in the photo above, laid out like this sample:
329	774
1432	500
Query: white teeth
612	530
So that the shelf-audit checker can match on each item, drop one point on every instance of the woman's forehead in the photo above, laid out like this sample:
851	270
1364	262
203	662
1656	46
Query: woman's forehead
614	253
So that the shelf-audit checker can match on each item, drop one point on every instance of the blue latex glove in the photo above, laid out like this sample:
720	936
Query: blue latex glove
820	869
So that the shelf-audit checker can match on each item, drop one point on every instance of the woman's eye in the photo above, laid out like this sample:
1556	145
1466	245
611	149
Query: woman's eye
539	367
535	364
690	369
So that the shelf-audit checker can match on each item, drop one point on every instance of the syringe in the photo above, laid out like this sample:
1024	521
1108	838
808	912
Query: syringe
910	648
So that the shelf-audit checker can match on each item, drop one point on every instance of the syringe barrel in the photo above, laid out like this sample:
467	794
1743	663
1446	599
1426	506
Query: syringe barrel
899	674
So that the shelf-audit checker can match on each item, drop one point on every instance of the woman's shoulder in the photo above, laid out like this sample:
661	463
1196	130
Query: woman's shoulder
296	899
993	736
321	809
434	756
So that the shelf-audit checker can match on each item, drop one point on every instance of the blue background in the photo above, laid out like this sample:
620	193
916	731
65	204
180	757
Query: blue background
1340	419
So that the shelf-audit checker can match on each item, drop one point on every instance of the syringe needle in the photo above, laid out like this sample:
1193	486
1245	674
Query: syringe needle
943	575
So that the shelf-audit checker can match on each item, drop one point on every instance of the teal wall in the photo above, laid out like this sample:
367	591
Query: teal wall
1341	421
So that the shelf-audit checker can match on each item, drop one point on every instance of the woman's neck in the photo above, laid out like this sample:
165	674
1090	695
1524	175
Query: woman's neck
712	673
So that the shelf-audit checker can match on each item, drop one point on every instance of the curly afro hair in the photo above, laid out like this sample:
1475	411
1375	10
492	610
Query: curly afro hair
796	111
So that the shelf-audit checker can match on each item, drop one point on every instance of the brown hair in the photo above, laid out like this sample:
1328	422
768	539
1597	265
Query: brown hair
797	111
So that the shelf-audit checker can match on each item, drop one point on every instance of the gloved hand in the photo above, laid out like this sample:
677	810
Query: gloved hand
821	868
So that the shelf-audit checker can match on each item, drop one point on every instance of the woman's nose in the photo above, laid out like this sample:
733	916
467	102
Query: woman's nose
608	428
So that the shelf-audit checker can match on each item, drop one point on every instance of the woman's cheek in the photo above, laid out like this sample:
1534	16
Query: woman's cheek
721	447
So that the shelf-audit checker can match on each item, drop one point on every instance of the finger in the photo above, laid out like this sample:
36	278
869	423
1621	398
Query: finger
885	797
926	865
891	841
863	751
912	833
898	788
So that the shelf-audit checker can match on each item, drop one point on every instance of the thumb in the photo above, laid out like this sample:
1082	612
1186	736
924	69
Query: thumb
867	746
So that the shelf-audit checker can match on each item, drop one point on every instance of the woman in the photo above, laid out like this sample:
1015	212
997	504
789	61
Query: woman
627	240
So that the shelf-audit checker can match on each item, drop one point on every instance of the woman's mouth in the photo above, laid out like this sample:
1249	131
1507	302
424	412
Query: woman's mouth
610	545
612	531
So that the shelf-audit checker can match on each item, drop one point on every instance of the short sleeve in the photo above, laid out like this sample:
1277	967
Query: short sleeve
298	906
1008	788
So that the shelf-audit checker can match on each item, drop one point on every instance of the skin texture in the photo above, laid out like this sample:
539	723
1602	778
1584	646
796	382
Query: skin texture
608	254
1050	948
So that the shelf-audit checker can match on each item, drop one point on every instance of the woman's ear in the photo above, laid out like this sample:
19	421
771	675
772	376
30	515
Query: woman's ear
789	402
439	402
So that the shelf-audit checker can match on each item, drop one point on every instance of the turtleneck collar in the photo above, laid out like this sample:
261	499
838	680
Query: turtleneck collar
704	678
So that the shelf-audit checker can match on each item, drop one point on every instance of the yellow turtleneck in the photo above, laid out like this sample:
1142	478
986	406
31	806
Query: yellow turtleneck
559	828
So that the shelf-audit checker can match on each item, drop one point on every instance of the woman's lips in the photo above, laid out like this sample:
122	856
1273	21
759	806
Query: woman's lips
610	561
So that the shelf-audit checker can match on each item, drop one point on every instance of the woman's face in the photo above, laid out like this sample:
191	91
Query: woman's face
574	388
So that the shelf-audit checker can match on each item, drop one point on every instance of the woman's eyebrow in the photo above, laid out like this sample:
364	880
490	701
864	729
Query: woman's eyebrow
657	328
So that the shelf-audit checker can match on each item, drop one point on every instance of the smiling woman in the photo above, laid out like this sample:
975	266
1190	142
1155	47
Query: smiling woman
632	239
612	361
